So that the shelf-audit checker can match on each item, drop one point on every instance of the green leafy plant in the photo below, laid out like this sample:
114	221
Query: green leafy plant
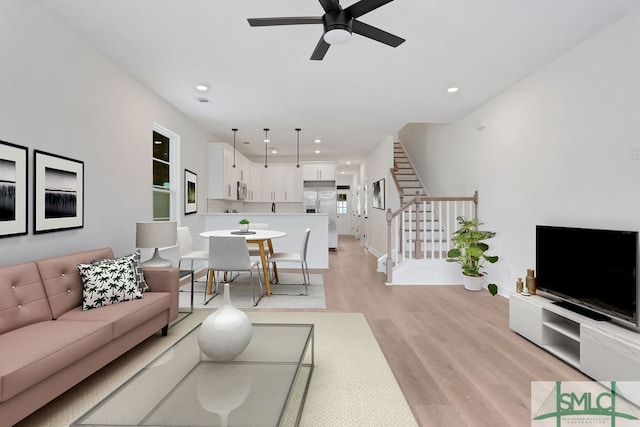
243	221
469	250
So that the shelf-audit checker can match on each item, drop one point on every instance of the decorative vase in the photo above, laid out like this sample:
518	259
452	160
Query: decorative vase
531	282
244	227
225	333
472	283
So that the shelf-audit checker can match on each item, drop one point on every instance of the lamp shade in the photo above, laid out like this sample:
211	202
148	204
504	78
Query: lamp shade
156	234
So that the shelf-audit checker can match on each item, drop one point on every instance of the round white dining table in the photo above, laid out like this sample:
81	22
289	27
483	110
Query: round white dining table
254	236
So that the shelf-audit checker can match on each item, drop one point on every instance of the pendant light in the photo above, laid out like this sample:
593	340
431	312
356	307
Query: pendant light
266	141
298	148
234	146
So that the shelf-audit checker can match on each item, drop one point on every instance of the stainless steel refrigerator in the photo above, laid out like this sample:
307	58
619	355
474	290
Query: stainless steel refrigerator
320	197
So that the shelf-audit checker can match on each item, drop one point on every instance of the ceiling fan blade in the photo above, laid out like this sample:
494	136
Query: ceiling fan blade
330	5
365	6
299	20
376	34
321	49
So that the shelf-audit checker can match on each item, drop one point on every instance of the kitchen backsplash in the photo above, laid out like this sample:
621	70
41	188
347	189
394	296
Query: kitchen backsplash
221	206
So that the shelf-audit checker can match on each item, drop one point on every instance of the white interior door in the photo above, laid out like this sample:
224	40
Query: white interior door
343	208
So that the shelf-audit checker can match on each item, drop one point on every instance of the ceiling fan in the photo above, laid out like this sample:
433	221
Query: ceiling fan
338	24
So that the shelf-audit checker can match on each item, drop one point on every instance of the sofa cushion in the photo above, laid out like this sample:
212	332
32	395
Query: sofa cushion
125	316
137	268
108	283
62	281
23	300
32	353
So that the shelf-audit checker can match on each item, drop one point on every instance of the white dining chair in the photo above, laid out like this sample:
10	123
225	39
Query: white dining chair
185	248
297	257
229	254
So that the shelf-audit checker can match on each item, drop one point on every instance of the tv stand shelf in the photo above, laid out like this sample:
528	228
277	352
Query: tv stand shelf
602	350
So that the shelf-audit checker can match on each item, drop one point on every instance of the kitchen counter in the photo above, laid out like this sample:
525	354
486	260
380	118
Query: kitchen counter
293	224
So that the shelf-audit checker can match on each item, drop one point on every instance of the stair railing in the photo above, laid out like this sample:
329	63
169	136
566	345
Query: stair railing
429	236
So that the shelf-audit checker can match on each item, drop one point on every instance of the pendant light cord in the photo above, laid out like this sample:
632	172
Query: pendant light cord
234	146
266	140
298	148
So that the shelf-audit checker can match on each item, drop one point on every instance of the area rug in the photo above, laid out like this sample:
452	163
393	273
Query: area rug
241	295
351	385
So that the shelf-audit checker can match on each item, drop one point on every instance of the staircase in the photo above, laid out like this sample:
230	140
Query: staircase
404	175
418	232
421	218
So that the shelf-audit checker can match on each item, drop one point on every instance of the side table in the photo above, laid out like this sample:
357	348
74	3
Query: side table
184	273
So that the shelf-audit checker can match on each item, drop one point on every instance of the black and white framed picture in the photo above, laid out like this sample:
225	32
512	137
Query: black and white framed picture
378	194
190	192
58	193
13	189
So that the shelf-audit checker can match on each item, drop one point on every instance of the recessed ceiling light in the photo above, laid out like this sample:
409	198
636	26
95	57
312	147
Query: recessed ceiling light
274	151
452	89
317	141
317	151
202	87
348	162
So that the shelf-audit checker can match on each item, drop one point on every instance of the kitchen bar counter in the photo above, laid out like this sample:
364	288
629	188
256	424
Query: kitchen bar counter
293	224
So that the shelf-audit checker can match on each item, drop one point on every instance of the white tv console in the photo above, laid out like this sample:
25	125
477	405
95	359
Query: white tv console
600	349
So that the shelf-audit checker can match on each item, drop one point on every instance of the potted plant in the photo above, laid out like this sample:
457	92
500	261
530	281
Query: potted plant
244	225
469	251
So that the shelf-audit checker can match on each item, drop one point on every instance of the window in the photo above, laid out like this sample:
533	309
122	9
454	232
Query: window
166	181
341	204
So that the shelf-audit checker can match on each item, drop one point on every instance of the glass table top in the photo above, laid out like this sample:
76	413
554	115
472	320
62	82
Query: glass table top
265	385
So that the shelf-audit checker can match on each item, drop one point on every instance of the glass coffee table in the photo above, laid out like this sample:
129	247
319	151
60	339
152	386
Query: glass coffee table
265	386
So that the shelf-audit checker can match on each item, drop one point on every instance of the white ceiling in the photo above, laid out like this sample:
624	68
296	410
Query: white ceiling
361	92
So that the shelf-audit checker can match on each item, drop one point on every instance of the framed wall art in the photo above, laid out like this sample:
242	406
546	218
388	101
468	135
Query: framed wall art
190	192
58	193
13	189
378	194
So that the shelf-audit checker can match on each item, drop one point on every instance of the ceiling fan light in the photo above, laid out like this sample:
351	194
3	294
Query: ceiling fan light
337	36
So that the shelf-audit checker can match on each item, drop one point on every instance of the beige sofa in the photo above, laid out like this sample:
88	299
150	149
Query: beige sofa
48	343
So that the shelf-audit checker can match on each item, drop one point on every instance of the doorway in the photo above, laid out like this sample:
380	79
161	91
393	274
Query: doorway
343	210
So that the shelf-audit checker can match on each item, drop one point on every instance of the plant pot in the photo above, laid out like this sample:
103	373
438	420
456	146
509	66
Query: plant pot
472	283
244	227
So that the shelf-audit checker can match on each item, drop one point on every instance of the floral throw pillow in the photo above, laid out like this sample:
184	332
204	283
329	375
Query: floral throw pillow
108	283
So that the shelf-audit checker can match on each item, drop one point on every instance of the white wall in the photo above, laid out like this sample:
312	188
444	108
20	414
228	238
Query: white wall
375	167
61	96
556	150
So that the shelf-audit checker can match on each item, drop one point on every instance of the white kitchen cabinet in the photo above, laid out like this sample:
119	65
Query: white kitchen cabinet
221	178
292	184
273	184
242	171
281	183
254	184
319	172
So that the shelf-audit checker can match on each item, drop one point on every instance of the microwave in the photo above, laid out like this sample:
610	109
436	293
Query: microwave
242	190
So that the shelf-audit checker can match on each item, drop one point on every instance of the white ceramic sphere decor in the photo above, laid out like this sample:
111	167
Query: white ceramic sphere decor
226	332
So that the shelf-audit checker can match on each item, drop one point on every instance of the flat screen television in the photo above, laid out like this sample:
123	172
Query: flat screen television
589	270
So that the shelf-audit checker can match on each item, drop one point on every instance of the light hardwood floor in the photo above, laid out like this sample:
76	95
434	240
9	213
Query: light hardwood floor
452	352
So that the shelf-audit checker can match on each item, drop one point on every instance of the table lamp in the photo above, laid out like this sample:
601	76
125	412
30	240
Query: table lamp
156	234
